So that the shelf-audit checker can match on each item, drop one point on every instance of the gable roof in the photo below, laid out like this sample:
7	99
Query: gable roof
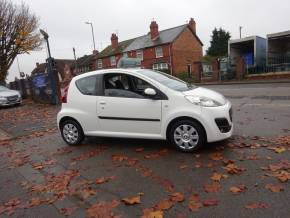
109	50
145	41
165	36
85	60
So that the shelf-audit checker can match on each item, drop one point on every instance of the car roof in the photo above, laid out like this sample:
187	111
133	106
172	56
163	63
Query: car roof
113	70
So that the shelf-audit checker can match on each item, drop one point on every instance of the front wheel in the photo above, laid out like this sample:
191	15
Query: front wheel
187	135
71	132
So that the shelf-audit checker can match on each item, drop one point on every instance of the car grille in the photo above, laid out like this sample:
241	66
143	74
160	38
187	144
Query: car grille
12	98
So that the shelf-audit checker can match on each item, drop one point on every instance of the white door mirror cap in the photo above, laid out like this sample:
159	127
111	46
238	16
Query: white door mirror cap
150	91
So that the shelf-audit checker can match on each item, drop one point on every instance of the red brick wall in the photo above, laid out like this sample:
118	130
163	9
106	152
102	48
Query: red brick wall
186	49
107	62
149	57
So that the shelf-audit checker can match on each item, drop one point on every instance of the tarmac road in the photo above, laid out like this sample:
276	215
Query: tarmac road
157	170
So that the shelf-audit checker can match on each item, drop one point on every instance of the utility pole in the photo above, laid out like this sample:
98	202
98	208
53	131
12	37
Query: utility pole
240	28
76	65
90	23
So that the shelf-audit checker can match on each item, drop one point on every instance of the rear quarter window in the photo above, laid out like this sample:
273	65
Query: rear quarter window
87	85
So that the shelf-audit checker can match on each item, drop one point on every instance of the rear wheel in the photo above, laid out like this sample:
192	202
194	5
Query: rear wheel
187	135
71	132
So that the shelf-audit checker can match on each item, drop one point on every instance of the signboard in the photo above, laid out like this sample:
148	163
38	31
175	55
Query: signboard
40	80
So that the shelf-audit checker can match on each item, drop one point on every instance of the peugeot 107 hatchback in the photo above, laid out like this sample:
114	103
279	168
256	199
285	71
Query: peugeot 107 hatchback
141	103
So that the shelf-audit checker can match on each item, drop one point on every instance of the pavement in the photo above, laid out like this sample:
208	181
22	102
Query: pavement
246	176
251	81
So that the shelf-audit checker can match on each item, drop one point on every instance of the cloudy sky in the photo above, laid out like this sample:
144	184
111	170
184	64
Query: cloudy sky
64	20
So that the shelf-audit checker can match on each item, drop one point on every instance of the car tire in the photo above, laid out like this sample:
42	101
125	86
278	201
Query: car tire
71	132
187	135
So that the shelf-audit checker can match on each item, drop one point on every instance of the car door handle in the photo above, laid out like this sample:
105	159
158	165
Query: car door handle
102	102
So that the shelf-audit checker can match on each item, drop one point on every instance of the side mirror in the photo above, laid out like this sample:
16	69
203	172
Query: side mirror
150	92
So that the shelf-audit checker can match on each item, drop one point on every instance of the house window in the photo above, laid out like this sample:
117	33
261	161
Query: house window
125	55
158	52
139	54
100	63
160	66
113	60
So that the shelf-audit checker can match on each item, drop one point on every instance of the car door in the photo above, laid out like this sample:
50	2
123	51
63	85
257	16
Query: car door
124	110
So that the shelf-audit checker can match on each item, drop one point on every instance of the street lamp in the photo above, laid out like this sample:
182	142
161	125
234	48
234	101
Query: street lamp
46	36
50	69
90	23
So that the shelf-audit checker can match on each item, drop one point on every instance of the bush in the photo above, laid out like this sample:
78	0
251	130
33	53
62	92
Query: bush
184	76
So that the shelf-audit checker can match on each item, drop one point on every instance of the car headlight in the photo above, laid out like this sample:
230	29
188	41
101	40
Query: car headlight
202	101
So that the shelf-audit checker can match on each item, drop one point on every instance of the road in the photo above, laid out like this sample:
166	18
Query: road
50	178
260	109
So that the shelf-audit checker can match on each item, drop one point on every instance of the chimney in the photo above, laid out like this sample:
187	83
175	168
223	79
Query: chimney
154	30
192	25
37	64
95	52
114	40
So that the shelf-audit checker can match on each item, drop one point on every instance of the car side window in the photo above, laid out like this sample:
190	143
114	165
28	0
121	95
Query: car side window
118	85
87	85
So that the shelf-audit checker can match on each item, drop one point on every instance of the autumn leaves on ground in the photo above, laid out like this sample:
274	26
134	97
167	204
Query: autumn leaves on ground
43	177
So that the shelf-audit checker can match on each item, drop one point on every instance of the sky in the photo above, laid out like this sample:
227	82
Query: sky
64	20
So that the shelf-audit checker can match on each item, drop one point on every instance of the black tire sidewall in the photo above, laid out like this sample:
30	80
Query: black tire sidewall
79	128
199	129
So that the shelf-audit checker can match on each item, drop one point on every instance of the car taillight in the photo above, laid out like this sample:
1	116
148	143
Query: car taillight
64	96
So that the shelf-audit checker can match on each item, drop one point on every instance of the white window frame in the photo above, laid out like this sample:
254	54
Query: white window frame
139	54
159	52
100	63
113	60
160	66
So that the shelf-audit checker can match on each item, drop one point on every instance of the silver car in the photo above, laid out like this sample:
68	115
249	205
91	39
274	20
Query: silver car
9	97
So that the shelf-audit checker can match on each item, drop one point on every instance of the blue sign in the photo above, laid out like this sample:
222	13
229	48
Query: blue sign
39	80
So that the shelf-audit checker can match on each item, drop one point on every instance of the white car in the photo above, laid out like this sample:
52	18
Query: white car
9	97
141	103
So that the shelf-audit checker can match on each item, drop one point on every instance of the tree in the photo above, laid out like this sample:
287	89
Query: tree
219	43
18	34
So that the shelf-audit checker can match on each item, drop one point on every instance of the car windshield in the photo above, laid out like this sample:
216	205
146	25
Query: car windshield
3	88
168	80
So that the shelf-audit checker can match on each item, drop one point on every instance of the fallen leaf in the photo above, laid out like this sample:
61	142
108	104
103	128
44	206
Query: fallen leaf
274	188
216	156
216	177
102	209
164	204
150	213
233	169
132	200
119	158
210	202
177	197
68	211
279	150
214	187
104	179
257	206
139	149
194	203
238	189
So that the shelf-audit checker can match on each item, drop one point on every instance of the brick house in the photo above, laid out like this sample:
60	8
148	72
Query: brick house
85	63
173	50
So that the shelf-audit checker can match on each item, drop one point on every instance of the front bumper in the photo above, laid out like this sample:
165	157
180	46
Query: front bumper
218	122
10	103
